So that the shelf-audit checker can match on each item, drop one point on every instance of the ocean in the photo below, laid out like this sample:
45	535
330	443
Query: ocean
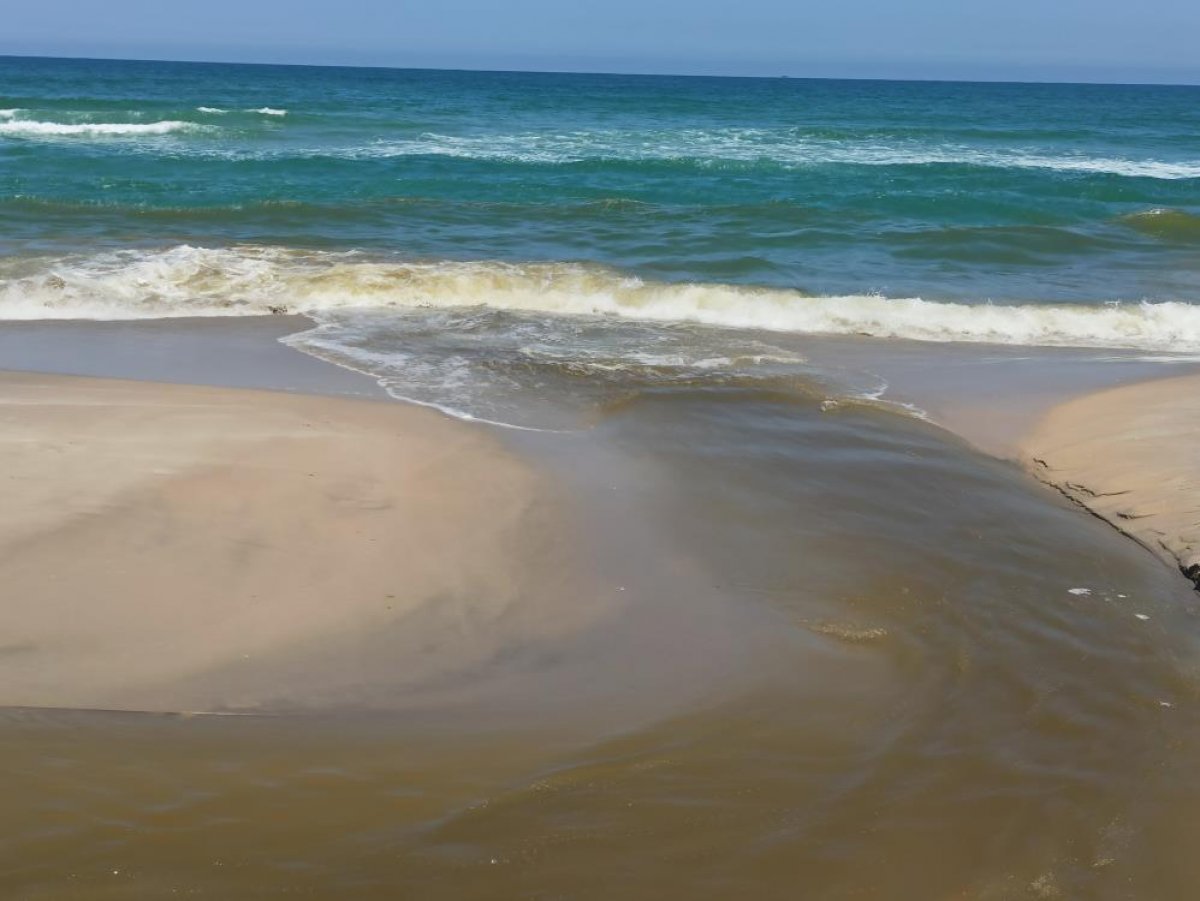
726	316
394	203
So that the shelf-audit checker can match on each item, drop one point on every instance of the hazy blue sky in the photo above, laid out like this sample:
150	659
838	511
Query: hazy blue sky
1093	40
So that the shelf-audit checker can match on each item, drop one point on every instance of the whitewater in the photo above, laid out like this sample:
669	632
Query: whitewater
197	281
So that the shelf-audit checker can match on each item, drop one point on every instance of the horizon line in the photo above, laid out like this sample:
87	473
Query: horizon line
502	71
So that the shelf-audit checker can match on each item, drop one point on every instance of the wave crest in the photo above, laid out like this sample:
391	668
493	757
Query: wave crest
35	129
190	281
1167	224
260	110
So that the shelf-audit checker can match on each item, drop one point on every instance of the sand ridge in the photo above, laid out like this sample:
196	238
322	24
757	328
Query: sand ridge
1131	455
168	547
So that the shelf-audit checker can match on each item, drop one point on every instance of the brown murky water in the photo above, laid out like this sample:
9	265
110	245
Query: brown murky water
859	661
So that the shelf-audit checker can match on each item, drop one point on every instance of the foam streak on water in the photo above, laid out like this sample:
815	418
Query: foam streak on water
32	128
784	148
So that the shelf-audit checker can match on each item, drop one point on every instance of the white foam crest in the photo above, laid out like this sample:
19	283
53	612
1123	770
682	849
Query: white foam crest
10	113
31	128
268	111
749	145
189	281
212	110
1160	169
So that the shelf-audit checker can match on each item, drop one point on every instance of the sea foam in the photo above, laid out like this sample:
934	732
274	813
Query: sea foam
724	148
759	146
260	110
23	128
191	281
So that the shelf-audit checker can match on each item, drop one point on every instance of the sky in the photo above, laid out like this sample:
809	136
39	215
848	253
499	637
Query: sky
1022	40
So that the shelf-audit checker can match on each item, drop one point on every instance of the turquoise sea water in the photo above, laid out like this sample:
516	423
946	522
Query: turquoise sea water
938	190
467	236
396	205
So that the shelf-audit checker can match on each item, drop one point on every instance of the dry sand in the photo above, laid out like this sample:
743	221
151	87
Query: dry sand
166	547
1131	455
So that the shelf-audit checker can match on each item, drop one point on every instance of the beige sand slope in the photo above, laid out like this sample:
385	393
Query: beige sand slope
169	547
1131	455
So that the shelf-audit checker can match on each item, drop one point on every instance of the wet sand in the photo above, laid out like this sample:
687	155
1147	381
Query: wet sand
234	352
991	395
1131	455
726	642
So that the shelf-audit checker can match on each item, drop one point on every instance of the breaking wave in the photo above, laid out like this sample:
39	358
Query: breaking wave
261	110
34	129
191	281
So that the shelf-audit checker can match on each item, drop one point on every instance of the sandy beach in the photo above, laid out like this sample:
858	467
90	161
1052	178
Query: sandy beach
481	661
182	547
165	547
171	547
1131	455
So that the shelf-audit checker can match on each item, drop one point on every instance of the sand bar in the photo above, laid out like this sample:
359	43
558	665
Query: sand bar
1131	455
168	547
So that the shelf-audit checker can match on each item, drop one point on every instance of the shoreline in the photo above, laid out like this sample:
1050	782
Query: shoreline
1130	456
263	552
220	352
1117	436
999	398
164	479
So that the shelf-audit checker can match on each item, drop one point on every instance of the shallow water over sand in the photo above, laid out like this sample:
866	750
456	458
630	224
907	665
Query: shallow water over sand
912	673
